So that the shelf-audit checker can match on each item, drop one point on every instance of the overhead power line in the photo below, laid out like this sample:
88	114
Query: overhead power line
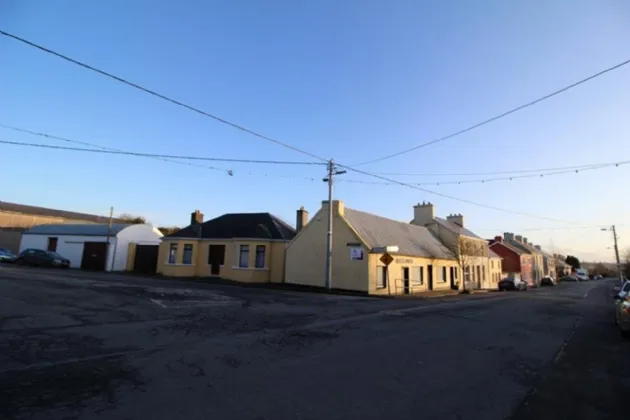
505	178
515	171
155	155
474	203
497	117
161	96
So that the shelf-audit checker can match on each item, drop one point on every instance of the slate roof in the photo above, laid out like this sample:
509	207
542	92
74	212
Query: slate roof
455	228
240	225
43	211
412	240
76	230
512	248
493	254
528	249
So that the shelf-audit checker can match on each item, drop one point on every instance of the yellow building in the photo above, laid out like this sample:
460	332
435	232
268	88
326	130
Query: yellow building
420	262
245	247
470	250
495	269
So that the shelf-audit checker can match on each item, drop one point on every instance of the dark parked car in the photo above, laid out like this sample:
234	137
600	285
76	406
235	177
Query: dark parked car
41	258
548	281
7	256
569	279
512	284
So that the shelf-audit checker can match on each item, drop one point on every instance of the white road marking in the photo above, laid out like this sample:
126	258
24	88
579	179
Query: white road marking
157	302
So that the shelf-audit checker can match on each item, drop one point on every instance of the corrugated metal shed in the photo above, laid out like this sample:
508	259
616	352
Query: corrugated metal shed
412	240
77	229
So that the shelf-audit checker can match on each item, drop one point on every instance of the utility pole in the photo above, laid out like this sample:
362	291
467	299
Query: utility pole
619	270
109	234
330	180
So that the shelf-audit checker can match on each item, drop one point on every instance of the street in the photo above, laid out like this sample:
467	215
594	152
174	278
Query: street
106	346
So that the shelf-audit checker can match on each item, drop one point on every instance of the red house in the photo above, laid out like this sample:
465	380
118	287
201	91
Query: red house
515	260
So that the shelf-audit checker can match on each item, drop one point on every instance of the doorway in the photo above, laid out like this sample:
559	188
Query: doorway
430	276
94	256
216	258
406	280
452	275
146	259
52	244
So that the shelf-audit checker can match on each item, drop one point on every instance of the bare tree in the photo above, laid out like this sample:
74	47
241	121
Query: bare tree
466	251
167	230
130	218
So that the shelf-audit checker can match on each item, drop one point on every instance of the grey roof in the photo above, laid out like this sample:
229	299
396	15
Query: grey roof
411	240
239	225
493	254
520	245
43	211
507	245
455	228
77	230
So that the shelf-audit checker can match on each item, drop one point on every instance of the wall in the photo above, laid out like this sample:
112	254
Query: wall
496	272
306	255
10	219
10	238
395	283
272	271
511	261
140	234
527	268
70	247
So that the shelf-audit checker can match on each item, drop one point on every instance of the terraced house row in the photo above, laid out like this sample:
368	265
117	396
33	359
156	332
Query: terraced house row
371	254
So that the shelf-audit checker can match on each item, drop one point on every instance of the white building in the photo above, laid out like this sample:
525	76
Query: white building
85	245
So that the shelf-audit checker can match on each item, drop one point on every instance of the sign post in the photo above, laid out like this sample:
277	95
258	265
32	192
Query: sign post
387	259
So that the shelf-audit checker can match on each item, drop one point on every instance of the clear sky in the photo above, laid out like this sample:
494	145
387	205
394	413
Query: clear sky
349	80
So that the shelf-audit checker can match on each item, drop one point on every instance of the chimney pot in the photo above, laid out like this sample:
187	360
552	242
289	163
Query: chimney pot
196	217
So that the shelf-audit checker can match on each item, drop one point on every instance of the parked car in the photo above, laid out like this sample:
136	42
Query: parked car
42	258
597	277
581	274
511	283
622	309
548	281
7	256
568	279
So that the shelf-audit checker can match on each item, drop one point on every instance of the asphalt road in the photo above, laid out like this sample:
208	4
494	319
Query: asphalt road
89	346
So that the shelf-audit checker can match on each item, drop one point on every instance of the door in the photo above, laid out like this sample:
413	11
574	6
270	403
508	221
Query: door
478	277
430	276
216	258
405	275
452	275
146	258
52	244
94	256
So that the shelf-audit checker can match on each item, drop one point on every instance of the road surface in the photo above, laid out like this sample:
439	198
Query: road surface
87	346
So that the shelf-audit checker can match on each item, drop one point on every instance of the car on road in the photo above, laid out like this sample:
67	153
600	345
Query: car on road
568	279
548	281
597	277
622	309
581	274
7	256
42	258
511	283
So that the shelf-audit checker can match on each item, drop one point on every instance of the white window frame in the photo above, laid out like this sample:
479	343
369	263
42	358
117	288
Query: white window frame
172	247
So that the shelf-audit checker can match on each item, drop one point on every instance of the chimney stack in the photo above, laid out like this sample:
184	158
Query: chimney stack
301	219
458	219
525	241
498	239
508	236
538	247
196	218
423	214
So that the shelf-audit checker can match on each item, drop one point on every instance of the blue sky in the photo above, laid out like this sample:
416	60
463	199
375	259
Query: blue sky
351	80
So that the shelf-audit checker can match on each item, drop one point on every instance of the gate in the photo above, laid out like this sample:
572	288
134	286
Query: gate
145	261
94	256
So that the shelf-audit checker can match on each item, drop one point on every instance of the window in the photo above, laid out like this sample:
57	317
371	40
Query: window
416	275
260	256
381	277
52	244
243	256
216	254
443	275
483	274
172	254
188	254
467	274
